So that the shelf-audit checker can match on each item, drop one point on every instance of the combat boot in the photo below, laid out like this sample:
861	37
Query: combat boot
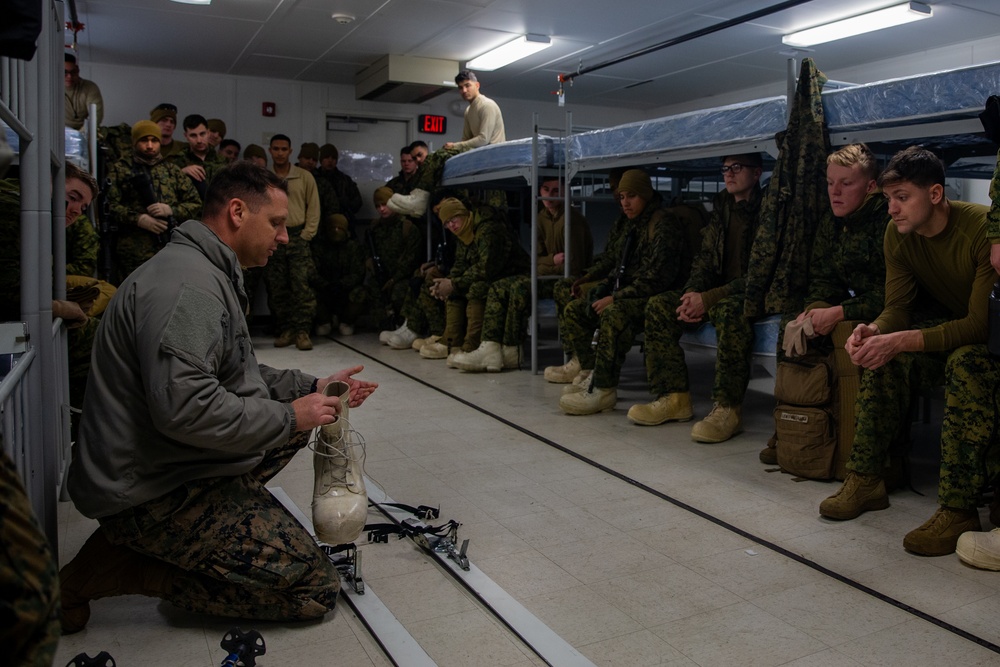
580	383
401	340
102	569
413	205
420	342
938	536
487	357
980	550
769	455
302	341
340	501
860	493
383	336
285	339
563	374
672	407
722	423
435	350
589	402
511	356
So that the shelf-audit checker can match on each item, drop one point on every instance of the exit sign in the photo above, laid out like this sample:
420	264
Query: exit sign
430	124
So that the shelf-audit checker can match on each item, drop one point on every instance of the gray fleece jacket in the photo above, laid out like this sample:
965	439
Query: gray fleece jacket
175	393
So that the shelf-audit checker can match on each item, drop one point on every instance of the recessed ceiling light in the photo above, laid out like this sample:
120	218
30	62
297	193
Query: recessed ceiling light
342	19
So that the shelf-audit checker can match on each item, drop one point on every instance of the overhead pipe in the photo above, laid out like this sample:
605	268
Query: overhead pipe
563	78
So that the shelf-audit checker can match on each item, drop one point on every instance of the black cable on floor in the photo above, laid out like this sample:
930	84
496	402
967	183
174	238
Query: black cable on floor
944	625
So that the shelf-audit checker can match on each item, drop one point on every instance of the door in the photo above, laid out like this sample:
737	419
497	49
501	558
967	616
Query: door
369	152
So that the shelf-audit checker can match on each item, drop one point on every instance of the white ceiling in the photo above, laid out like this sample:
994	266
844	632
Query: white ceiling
298	39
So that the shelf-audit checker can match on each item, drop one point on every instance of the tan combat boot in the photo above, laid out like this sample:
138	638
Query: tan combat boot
722	423
589	402
435	350
673	407
580	383
285	339
340	500
860	493
563	374
487	357
938	536
510	356
420	342
769	455
980	550
102	570
302	341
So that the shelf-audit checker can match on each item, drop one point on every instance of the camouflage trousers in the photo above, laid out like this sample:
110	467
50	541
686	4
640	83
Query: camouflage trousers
971	378
135	246
617	327
290	295
238	551
29	605
506	318
463	322
562	294
423	313
665	366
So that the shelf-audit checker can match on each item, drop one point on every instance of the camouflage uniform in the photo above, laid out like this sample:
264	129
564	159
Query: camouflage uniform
346	190
659	261
665	366
402	185
172	187
340	269
507	305
212	164
290	270
82	248
29	606
238	550
493	254
955	353
399	245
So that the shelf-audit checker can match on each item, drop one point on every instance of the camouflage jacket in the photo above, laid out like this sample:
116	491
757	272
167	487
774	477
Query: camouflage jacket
606	260
170	184
340	266
82	247
213	164
402	185
709	264
993	217
848	264
348	195
660	259
493	254
399	245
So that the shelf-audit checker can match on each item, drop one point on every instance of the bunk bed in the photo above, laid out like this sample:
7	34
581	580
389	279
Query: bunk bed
938	110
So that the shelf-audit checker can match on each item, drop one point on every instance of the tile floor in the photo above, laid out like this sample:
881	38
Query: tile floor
727	563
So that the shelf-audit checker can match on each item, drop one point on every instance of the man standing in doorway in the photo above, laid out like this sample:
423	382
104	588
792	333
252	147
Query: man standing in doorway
291	297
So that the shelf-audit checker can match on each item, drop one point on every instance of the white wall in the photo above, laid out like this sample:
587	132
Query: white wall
130	93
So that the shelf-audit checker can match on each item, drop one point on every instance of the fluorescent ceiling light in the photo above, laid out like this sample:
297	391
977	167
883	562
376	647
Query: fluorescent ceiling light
522	47
858	25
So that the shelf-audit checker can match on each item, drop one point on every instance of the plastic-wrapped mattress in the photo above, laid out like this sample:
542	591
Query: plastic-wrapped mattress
76	145
504	156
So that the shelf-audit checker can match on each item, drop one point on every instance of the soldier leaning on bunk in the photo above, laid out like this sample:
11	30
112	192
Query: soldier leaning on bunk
143	228
340	272
847	269
393	250
486	252
932	331
714	292
652	257
508	303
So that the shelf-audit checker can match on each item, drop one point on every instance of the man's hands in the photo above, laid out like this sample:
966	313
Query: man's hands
159	210
692	308
195	171
870	349
359	389
577	288
823	319
151	224
559	258
315	409
601	304
441	288
70	312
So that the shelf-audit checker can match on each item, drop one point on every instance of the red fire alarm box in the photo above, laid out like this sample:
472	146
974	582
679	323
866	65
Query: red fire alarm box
430	124
269	109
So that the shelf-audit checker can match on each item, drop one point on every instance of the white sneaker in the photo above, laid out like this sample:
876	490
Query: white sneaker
402	340
340	500
345	329
383	336
324	330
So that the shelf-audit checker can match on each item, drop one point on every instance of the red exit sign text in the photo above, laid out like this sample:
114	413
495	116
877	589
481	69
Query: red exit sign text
430	124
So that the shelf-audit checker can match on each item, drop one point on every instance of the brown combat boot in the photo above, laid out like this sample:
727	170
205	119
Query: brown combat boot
101	570
285	339
939	535
302	341
769	455
860	493
673	407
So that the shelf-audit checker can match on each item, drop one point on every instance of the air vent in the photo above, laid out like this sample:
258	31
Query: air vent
405	79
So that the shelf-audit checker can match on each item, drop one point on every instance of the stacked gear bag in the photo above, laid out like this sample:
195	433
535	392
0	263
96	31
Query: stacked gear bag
814	419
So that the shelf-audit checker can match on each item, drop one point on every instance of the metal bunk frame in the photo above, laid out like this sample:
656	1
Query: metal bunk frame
33	405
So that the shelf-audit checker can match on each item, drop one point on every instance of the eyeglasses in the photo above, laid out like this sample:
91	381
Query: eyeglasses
735	167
